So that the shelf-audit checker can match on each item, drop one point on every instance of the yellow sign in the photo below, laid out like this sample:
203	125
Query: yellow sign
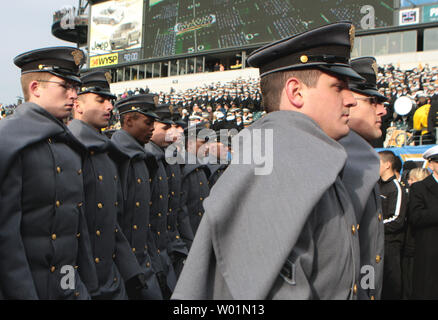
105	60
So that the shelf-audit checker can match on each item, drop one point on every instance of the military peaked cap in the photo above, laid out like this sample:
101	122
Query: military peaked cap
97	82
368	69
326	48
63	62
164	114
142	103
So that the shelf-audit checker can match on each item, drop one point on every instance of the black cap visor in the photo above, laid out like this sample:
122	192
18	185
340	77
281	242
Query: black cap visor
371	93
341	70
100	92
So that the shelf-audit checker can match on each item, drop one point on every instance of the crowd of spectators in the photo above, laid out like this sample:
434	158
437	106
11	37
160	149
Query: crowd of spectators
238	103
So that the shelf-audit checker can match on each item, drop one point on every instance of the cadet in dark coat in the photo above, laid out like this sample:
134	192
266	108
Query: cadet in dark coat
160	193
174	172
195	175
423	209
177	248
135	170
43	231
361	174
219	149
288	230
115	261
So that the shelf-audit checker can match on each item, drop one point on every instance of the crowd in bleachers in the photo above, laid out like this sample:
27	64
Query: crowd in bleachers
239	103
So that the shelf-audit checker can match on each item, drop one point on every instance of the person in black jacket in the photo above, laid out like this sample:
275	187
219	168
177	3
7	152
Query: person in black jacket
394	201
413	175
423	209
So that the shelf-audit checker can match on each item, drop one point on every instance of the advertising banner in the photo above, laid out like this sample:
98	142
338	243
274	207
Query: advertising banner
115	25
104	60
409	16
430	14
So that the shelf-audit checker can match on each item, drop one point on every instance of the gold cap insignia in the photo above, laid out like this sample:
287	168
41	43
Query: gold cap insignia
375	68
133	108
304	59
352	36
108	77
41	67
156	100
83	89
77	56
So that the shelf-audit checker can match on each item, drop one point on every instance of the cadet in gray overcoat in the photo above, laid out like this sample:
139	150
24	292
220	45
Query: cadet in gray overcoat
160	192
361	174
43	231
286	230
195	173
135	170
115	261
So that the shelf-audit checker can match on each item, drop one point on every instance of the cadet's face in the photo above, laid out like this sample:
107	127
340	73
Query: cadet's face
366	118
162	134
329	105
56	99
94	110
218	150
142	128
433	165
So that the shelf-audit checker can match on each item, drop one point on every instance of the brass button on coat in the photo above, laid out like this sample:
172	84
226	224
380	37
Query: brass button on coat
380	217
138	180
133	249
53	236
78	235
100	178
99	205
58	169
148	264
52	269
135	227
80	171
57	203
97	260
355	289
353	229
80	204
137	204
378	258
98	233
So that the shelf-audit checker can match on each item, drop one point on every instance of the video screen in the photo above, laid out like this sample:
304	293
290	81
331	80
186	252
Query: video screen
411	3
192	26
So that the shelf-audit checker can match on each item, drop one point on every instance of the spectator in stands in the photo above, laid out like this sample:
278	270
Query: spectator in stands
407	261
394	201
420	120
423	208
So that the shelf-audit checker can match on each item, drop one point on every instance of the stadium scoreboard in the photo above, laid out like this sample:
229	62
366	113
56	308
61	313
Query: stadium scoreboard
130	30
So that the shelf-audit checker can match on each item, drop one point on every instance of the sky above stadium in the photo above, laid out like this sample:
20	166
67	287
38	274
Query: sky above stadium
26	25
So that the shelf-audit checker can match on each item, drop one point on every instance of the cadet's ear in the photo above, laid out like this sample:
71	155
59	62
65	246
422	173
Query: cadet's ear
34	89
293	93
78	105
